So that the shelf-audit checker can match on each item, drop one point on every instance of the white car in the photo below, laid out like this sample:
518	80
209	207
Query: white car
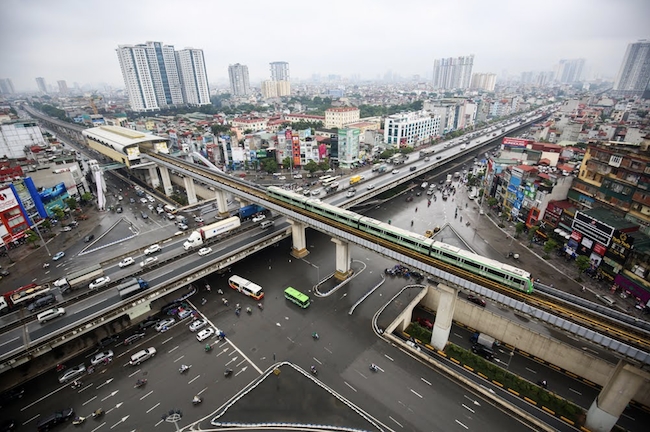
297	176
126	262
182	227
259	218
150	198
315	192
72	373
185	313
152	249
204	251
395	171
197	324
371	186
204	334
99	282
148	261
101	357
198	220
143	200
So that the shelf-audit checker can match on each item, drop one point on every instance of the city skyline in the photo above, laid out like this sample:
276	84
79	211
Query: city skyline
59	41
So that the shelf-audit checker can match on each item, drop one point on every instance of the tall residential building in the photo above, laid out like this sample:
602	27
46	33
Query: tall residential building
634	75
193	76
239	82
152	76
348	147
7	86
570	71
340	116
42	87
410	129
280	71
484	81
63	86
453	73
269	89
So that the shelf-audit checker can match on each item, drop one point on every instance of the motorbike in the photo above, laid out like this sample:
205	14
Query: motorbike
98	413
46	265
374	368
196	400
314	371
139	383
249	310
208	348
184	368
203	302
78	420
227	372
60	367
315	336
224	301
260	305
76	385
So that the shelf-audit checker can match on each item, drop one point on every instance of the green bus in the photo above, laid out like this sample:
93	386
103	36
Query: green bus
297	297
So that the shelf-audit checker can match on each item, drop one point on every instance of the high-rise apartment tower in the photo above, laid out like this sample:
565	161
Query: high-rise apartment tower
239	81
453	73
634	75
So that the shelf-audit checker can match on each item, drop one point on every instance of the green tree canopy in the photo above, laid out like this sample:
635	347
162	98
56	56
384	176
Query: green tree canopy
550	246
582	262
71	203
311	166
269	165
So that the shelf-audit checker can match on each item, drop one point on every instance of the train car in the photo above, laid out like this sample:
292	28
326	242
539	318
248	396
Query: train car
411	240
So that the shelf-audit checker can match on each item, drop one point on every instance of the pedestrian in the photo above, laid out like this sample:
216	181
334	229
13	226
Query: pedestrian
416	209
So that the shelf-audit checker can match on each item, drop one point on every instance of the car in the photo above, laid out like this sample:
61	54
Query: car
132	200
108	340
167	322
73	224
170	216
99	282
204	251
481	212
306	192
119	209
282	178
47	422
58	256
427	159
144	215
395	171
204	334
258	218
182	227
425	323
371	186
102	357
151	199
150	207
152	249
198	219
197	324
315	192
8	425
431	192
438	157
66	229
41	302
89	238
134	337
185	313
72	373
12	395
350	193
144	200
476	300
126	262
483	351
329	171
148	261
148	323
297	176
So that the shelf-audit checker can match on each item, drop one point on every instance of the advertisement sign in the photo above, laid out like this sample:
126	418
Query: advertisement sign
593	228
516	142
575	235
599	249
7	200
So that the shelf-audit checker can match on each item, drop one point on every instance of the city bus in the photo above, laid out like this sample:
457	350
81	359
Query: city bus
297	297
329	181
246	287
324	178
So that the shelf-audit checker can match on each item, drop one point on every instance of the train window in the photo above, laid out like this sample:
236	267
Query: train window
472	264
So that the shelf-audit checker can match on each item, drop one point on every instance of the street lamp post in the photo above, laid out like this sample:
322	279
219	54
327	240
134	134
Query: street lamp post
42	241
511	355
317	273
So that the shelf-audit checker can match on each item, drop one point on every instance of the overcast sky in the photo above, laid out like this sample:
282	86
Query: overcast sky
76	40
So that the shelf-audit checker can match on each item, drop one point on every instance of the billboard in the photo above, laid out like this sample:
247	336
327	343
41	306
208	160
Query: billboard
516	142
7	199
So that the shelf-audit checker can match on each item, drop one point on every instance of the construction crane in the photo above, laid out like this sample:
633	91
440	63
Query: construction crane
92	99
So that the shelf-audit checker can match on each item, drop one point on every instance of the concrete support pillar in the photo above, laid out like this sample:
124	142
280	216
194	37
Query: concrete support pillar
222	202
614	397
444	316
154	180
242	202
299	249
190	190
343	259
167	183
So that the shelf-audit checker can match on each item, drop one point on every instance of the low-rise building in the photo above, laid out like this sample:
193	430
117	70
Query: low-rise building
411	129
339	117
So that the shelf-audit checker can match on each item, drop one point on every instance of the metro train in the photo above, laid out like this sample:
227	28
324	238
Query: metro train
488	268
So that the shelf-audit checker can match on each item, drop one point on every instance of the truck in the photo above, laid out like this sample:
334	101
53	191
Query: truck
379	168
131	287
207	232
483	339
449	178
79	278
398	159
357	178
427	152
21	296
248	211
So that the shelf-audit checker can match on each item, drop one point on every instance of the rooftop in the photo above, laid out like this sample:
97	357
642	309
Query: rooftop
605	216
120	136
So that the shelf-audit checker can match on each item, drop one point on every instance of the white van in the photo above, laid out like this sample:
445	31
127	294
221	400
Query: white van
141	356
266	224
49	314
170	209
607	300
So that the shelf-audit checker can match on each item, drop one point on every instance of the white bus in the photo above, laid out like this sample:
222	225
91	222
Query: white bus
324	178
329	181
246	287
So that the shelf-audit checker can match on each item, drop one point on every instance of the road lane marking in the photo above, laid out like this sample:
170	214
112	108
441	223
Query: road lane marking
32	419
317	361
425	381
362	375
388	357
416	393
134	373
199	393
172	350
462	424
146	395
575	391
193	379
9	341
355	390
396	422
531	370
43	398
153	408
240	363
326	349
167	340
180	358
89	401
468	408
97	428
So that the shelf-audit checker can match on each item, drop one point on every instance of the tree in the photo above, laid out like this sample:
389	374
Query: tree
286	162
311	166
46	224
531	234
87	197
218	129
58	213
71	203
549	246
31	237
324	165
269	165
583	263
519	228
248	131
492	201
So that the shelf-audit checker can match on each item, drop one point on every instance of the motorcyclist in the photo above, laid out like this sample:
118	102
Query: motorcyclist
208	347
259	305
248	309
315	335
373	367
313	369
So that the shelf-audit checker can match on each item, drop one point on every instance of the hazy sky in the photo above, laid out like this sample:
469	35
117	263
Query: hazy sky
75	40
